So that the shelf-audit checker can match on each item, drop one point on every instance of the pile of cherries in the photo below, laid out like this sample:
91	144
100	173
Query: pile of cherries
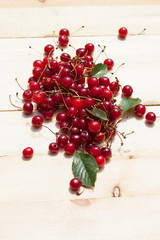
66	85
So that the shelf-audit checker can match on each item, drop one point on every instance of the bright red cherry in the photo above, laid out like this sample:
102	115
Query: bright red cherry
122	32
64	31
53	147
70	148
48	50
89	47
28	108
62	140
127	91
94	127
140	110
75	184
34	86
67	82
37	121
150	117
95	151
27	95
38	63
88	102
93	81
37	72
115	113
106	152
65	57
38	98
104	81
27	152
77	103
100	160
114	87
109	62
79	69
63	41
62	117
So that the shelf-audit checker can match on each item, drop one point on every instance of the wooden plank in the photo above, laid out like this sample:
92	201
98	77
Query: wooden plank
41	22
53	3
140	70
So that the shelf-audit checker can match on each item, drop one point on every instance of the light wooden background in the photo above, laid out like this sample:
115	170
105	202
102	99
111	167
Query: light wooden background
35	202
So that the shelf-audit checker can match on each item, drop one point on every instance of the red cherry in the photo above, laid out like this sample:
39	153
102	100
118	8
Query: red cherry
27	152
28	108
95	151
62	140
94	127
127	90
150	117
48	50
109	62
63	41
100	160
70	148
53	147
89	47
122	32
75	184
140	110
27	95
37	121
77	103
64	31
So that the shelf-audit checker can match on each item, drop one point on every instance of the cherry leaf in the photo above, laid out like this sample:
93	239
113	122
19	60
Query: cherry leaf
128	103
99	70
85	168
98	113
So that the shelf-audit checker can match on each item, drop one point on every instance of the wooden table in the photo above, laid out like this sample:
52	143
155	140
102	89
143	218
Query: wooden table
35	202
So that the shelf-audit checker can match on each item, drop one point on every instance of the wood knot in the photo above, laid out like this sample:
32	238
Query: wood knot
42	1
116	191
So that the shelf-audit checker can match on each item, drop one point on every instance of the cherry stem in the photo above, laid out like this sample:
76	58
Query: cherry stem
36	51
49	129
79	193
8	110
112	73
13	104
19	84
141	32
18	96
61	94
77	30
99	53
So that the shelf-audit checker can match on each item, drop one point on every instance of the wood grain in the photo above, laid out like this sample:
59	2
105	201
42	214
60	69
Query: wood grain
41	22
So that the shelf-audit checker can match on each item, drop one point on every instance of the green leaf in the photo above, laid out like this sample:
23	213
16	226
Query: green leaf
128	103
99	70
85	168
98	113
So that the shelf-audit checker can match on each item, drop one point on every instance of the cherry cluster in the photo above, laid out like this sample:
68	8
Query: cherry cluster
67	85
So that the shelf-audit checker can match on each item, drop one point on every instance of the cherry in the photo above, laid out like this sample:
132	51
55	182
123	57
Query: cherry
127	90
82	112
72	112
83	92
38	63
70	148
107	94
27	95
63	41
75	184
62	140
28	108
47	113
53	147
53	64
37	72
106	152
76	139
64	126
48	102
88	58
32	79
85	136
48	50
122	32
82	123
38	97
96	91
80	52
88	102
67	82
114	87
106	106
37	121
140	110
100	160
47	60
109	62
62	117
89	47
65	57
27	152
95	151
88	146
100	137
77	103
115	113
94	127
79	69
93	81
104	81
68	101
150	117
34	86
58	98
75	130
64	31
